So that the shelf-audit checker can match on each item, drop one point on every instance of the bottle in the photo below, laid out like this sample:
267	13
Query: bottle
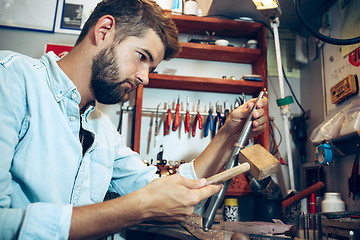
231	210
191	7
332	203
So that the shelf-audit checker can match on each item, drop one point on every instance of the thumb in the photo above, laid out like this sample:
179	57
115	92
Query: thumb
194	183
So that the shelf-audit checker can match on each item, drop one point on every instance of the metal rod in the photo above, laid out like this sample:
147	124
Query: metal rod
164	111
208	218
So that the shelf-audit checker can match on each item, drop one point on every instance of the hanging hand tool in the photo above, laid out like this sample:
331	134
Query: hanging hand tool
226	112
237	103
156	124
209	122
176	122
156	120
216	199
187	116
354	179
219	117
168	120
197	119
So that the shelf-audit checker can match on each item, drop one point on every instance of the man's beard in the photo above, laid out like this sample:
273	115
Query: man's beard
105	78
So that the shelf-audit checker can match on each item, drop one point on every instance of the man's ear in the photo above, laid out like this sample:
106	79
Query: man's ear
104	28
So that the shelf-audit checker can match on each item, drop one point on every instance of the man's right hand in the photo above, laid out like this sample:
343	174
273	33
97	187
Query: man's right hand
172	198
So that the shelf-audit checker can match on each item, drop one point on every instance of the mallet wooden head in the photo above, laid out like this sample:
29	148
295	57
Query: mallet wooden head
262	163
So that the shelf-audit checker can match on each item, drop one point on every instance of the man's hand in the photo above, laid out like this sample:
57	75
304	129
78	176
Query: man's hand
235	122
172	198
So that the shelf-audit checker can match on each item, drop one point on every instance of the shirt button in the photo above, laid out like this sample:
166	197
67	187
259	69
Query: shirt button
73	96
73	118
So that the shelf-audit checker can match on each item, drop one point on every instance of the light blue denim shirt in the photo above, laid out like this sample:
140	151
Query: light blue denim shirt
43	172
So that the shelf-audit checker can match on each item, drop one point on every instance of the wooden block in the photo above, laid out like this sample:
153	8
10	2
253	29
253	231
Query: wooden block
262	163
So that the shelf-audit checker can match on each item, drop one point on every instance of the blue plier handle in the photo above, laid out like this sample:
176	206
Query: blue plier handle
209	123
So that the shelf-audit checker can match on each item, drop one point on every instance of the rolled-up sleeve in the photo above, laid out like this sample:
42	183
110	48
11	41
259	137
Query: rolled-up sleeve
46	221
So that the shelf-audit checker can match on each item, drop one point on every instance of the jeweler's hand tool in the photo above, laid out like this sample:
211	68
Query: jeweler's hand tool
197	119
219	117
168	120
226	112
176	122
187	116
156	120
216	199
209	122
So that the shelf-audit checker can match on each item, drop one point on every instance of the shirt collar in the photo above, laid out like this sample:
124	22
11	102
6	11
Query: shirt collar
58	81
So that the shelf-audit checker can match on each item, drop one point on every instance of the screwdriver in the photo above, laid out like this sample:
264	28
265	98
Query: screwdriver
176	122
187	116
197	119
168	120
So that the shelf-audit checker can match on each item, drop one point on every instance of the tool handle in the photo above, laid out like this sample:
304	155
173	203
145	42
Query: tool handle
167	122
194	126
187	122
220	119
207	126
303	194
211	120
228	174
176	122
200	120
156	128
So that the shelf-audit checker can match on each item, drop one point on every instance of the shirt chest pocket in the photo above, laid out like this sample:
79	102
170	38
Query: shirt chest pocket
101	168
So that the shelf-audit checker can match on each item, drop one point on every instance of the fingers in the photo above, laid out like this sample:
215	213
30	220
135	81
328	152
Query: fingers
199	189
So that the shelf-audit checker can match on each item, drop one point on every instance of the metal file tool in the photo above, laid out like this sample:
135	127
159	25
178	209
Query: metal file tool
216	199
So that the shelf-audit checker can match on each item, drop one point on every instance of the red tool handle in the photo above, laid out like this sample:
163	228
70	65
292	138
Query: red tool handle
200	120
187	122
194	126
167	122
176	122
197	119
303	194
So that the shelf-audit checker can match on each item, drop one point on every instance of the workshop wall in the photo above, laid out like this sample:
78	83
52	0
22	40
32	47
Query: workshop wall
316	80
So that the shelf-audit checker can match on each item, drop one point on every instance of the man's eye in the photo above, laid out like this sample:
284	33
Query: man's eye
142	57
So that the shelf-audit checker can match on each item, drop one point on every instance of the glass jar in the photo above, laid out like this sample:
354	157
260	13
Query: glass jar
332	203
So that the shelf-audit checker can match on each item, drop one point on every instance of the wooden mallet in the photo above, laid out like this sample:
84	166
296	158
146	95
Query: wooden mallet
255	159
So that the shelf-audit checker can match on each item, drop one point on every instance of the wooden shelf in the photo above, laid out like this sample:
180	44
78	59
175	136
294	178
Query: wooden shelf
219	53
204	84
221	27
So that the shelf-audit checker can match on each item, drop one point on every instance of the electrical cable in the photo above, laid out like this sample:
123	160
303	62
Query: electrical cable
320	36
281	159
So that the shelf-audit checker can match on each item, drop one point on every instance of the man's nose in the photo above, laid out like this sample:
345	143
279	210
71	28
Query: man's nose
143	76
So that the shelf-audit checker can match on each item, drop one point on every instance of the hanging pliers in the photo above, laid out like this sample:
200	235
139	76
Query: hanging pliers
187	116
197	119
219	117
168	120
209	122
176	122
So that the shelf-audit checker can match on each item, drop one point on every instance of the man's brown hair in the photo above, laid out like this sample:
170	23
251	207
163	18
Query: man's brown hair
134	18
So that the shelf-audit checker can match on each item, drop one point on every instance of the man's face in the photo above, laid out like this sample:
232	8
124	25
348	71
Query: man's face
120	68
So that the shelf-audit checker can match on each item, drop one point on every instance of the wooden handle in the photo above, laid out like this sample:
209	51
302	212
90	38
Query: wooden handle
303	194
228	174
